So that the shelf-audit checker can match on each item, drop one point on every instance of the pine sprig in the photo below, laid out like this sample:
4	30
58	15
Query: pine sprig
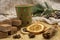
40	10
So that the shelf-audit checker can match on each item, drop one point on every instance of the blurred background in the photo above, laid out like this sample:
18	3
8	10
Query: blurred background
8	6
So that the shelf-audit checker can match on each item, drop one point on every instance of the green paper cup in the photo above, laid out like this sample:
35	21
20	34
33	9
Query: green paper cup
24	13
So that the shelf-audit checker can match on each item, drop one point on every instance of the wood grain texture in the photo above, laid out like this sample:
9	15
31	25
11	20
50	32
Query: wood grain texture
38	37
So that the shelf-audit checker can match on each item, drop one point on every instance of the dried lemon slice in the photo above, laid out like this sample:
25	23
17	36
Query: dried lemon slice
24	31
35	28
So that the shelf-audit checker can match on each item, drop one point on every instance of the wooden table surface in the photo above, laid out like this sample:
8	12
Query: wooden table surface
38	37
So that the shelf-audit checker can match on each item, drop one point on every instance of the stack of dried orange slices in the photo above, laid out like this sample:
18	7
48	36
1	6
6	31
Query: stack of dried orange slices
35	28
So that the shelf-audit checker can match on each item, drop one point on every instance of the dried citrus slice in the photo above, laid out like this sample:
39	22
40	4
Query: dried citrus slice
35	28
24	31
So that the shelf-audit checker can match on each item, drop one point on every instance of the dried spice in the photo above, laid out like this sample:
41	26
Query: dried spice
49	33
17	36
31	35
